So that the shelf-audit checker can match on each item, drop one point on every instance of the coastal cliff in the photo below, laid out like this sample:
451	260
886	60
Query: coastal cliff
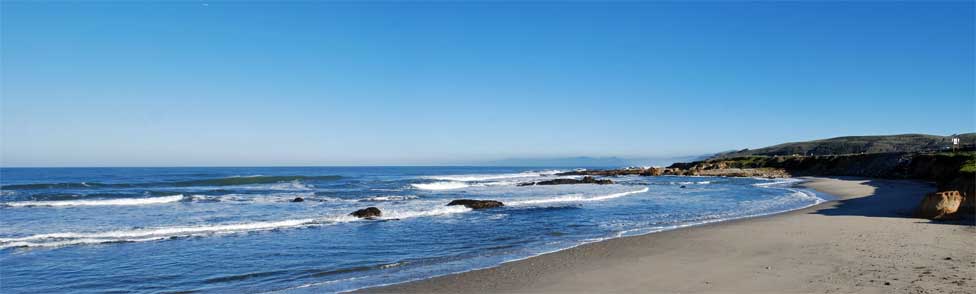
860	145
919	157
951	171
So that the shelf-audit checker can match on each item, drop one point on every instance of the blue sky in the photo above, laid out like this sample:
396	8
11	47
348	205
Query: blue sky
150	84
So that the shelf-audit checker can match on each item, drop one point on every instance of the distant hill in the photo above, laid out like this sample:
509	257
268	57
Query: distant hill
858	145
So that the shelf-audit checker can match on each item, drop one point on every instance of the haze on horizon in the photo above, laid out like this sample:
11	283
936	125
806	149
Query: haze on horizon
253	84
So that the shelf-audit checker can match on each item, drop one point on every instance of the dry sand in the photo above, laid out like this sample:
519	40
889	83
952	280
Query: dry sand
862	243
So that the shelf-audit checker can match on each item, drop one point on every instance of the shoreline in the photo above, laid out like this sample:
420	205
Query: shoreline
827	247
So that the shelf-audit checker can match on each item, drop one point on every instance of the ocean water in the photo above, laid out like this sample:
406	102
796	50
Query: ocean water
231	230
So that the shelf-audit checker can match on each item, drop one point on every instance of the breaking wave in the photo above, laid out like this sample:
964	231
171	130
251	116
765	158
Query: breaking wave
488	177
578	198
142	235
436	211
98	202
691	183
164	233
388	198
228	181
777	182
436	186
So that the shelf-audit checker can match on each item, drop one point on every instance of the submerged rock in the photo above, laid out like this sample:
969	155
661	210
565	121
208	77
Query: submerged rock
298	199
939	205
369	212
585	180
476	204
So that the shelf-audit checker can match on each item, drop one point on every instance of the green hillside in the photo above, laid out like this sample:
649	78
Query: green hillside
858	145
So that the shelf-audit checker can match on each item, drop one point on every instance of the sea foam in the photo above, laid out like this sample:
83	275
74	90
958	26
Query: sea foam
163	233
440	186
98	202
141	235
578	198
489	177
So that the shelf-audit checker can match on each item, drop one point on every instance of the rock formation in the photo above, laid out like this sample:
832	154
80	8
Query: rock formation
368	213
939	205
476	204
298	199
965	183
585	180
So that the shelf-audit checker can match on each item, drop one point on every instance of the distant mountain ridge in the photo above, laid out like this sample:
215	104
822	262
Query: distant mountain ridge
858	145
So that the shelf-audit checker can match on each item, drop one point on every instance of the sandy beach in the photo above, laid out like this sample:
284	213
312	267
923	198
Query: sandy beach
863	242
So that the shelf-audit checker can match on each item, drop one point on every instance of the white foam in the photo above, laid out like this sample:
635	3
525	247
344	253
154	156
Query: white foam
141	235
691	183
578	198
99	202
261	198
488	177
777	182
390	198
162	233
437	186
295	185
290	186
436	211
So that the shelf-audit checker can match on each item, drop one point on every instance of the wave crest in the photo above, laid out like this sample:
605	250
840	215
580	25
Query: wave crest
142	235
388	198
488	177
437	186
578	198
228	181
99	202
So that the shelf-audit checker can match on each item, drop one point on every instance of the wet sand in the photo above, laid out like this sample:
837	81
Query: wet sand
863	242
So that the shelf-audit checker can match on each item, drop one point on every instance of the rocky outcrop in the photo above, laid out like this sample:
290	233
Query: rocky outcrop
476	204
605	172
965	183
298	199
940	167
584	180
923	166
939	205
367	213
952	171
705	169
740	172
652	171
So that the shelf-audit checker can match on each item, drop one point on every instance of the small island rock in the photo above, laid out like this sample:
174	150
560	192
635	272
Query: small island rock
369	212
476	204
585	180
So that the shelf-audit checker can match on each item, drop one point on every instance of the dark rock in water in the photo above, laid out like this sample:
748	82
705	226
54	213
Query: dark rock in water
560	182
298	199
369	212
591	180
526	184
683	186
476	204
585	180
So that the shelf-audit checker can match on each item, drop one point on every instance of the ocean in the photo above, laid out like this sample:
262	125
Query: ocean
236	229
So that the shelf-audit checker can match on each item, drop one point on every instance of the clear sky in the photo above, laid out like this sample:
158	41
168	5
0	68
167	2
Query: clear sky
218	83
